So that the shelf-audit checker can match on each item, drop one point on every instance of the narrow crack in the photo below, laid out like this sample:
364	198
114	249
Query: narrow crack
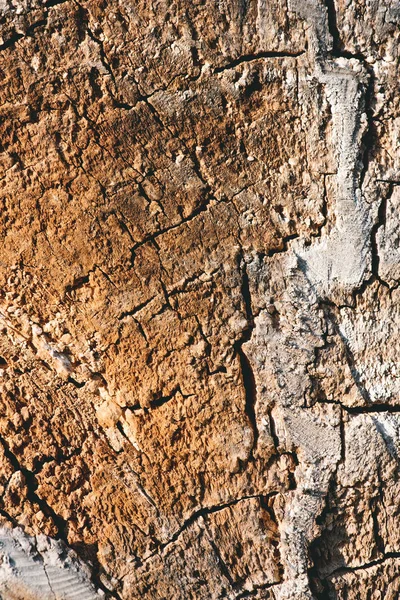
373	408
284	247
11	42
248	378
8	517
204	512
48	580
161	400
134	311
32	485
343	570
152	237
333	27
251	57
380	222
250	394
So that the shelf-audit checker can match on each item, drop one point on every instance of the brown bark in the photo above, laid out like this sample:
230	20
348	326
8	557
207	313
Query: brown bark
199	299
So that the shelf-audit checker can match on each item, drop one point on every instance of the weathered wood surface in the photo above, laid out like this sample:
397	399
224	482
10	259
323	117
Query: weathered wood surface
199	299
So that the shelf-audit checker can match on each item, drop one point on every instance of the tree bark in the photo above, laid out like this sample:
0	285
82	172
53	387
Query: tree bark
199	299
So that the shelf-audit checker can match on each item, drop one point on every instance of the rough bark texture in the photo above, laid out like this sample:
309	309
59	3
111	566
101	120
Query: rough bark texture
199	301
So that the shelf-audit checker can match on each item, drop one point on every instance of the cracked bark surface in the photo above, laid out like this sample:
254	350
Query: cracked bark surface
199	312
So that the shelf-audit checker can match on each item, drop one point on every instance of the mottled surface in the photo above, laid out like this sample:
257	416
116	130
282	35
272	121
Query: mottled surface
199	313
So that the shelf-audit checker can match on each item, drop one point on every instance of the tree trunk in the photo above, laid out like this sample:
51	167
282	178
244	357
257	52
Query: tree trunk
199	300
